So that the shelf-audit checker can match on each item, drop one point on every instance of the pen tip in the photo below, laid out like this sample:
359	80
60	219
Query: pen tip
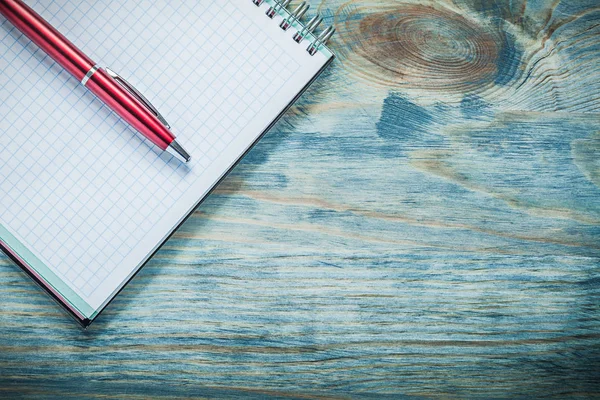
179	152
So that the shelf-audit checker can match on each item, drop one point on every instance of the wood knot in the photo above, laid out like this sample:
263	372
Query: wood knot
421	46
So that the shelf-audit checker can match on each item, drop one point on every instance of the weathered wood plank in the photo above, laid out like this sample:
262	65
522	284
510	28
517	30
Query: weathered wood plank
426	221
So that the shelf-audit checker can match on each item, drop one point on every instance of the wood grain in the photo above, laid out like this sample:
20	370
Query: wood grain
425	222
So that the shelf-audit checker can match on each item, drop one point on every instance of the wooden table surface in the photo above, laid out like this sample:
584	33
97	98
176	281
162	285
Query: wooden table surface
425	221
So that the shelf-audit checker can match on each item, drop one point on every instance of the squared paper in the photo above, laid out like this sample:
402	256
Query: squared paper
84	199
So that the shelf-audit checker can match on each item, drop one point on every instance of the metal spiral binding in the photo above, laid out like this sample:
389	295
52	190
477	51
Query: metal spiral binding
308	28
320	40
294	17
272	11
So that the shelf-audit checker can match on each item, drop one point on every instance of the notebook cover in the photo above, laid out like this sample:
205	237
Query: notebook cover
56	293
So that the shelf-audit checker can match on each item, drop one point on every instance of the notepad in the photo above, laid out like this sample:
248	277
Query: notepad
84	199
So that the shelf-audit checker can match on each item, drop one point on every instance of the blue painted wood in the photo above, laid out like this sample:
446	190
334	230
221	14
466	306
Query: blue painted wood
426	222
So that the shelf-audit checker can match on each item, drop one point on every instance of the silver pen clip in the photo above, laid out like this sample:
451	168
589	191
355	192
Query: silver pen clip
131	89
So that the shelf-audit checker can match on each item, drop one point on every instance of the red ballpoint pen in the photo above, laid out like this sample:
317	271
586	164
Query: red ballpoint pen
121	97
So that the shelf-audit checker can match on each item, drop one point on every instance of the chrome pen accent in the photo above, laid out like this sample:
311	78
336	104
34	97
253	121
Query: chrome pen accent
139	96
89	74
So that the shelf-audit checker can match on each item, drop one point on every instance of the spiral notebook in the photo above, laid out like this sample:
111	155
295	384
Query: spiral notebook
85	201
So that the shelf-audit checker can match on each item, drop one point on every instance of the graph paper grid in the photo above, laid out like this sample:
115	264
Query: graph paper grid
82	190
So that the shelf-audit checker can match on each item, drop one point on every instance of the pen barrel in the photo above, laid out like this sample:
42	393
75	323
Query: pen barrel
46	37
107	89
65	53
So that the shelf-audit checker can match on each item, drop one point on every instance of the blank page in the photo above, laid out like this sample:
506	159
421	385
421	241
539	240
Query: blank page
84	199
